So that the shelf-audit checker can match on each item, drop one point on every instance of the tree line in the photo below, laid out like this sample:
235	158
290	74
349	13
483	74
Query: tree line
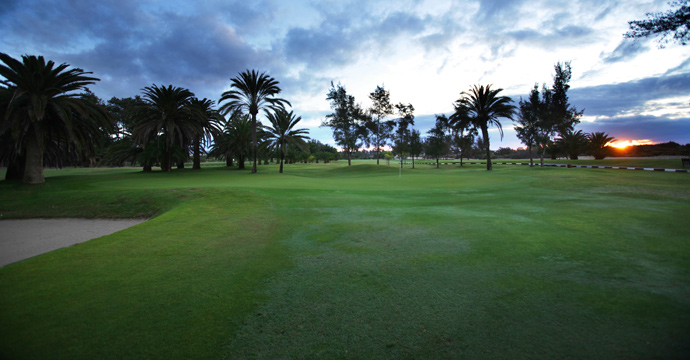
545	122
50	118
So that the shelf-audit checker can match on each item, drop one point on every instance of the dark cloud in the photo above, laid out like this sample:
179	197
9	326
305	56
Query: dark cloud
444	29
326	46
497	12
130	46
399	23
657	129
626	50
247	17
618	107
339	40
614	99
565	36
7	6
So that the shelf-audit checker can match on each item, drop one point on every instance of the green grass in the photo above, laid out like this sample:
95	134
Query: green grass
329	261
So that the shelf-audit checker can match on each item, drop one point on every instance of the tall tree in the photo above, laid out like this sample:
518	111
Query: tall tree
282	132
527	128
346	121
208	126
553	113
437	143
564	116
44	104
416	144
480	108
402	131
252	91
166	113
379	129
675	21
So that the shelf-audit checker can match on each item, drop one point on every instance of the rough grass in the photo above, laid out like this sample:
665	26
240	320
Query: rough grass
328	261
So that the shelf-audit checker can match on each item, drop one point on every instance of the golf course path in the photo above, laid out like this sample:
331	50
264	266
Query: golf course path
22	239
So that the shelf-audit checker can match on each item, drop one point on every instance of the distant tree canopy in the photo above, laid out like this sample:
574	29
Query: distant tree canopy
401	143
675	21
541	118
438	142
378	129
346	121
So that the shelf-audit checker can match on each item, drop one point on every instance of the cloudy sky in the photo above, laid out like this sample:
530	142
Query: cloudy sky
424	52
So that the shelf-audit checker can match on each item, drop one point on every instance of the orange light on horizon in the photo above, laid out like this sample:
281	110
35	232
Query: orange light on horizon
622	144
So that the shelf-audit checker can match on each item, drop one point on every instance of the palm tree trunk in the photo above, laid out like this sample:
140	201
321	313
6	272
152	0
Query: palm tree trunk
282	156
485	134
166	161
349	157
254	145
33	168
437	162
197	153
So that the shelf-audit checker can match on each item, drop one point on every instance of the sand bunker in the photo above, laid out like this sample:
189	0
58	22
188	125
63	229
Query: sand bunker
22	239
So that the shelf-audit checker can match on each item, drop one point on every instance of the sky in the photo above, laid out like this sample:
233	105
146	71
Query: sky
425	53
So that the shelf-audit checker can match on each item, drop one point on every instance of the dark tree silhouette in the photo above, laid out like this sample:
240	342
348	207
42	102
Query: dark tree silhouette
166	115
437	144
572	143
40	107
282	132
675	21
251	92
379	130
208	126
416	144
527	128
480	108
401	145
597	144
346	121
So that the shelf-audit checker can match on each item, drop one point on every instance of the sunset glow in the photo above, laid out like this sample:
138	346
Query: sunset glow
622	144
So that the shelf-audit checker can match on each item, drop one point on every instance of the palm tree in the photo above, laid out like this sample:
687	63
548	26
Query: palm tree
481	107
44	104
572	143
236	139
282	131
167	114
597	144
251	92
208	121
